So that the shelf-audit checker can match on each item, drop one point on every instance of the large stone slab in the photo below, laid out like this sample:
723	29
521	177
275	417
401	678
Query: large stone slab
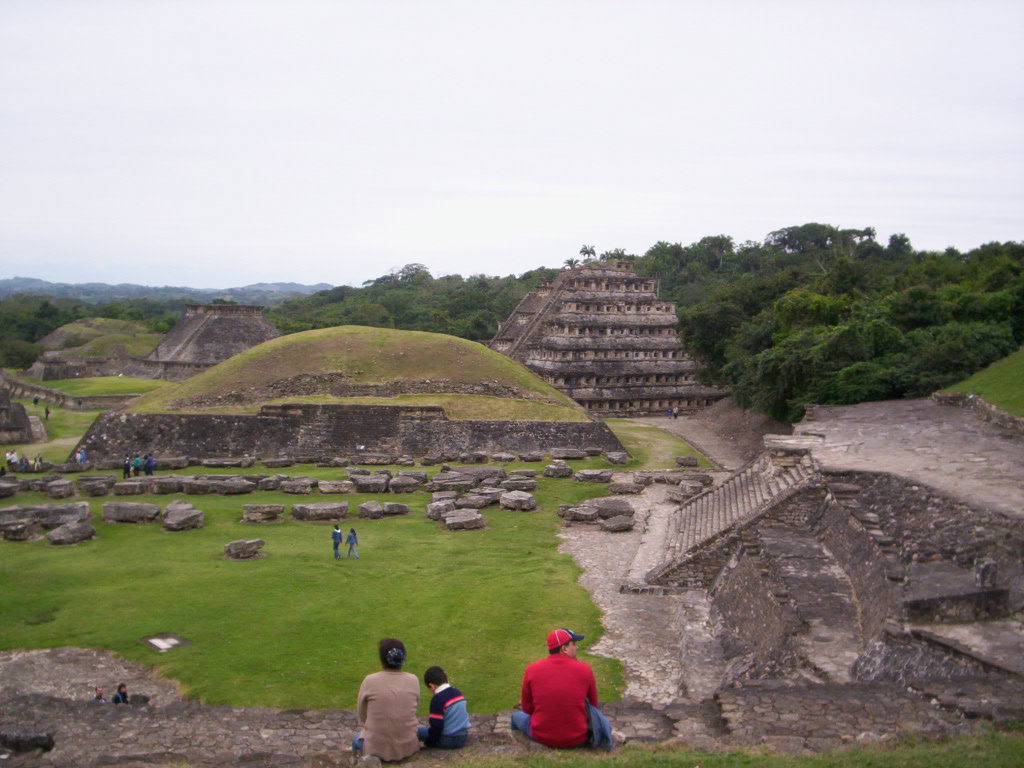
370	483
619	524
404	484
371	510
320	510
519	484
71	533
48	516
233	487
262	513
132	488
438	509
465	520
299	486
617	457
625	488
95	485
610	506
518	500
393	509
568	453
181	516
60	489
579	513
129	512
336	486
593	476
244	549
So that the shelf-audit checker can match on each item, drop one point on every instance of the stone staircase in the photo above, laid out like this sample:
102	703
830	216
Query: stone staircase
744	496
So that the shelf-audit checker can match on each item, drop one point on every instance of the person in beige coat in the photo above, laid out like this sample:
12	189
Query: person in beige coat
386	707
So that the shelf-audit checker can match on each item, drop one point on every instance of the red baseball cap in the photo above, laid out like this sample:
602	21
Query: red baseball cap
559	637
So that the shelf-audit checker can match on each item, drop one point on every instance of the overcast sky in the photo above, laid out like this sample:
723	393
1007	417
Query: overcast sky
216	143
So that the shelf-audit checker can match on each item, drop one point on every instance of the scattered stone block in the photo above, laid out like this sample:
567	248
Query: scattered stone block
371	510
320	510
7	490
131	488
608	507
278	463
438	509
522	473
49	516
593	450
272	483
479	472
619	524
568	453
261	513
580	513
233	487
375	459
472	501
171	462
528	457
418	474
458	486
593	476
244	549
504	458
196	485
223	463
625	488
60	489
558	469
181	516
519	484
300	486
474	457
336	486
393	508
18	530
443	495
430	460
518	500
696	477
687	461
370	483
617	457
167	484
129	512
465	520
403	484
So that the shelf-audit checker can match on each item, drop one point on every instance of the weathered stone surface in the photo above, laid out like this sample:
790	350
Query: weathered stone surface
568	453
131	488
618	524
580	513
687	461
71	533
472	501
8	489
272	483
393	508
442	495
430	460
232	487
694	477
300	486
518	500
522	474
320	510
558	469
375	459
171	462
167	484
18	530
479	472
60	489
403	484
617	457
278	463
465	520
528	457
196	485
244	549
261	513
438	509
129	512
336	486
608	507
418	474
503	458
457	486
519	484
244	462
625	488
181	516
371	510
593	476
474	457
370	483
48	516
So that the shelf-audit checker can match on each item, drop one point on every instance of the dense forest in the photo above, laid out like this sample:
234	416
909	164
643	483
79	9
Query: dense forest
814	313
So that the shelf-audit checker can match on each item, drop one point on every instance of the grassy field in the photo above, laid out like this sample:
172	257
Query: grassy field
296	628
101	385
64	429
1001	384
650	447
366	356
103	336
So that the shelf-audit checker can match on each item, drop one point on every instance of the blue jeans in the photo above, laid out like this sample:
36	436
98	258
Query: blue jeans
352	551
449	741
357	741
599	729
337	554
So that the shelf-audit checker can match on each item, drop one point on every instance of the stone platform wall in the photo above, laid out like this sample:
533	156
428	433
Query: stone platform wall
330	430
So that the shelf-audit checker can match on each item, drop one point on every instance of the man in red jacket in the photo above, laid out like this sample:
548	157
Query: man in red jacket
559	698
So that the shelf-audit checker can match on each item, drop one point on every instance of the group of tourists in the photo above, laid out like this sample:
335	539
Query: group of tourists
121	697
557	707
351	539
16	463
133	466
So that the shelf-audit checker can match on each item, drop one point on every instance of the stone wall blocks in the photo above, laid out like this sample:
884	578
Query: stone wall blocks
179	515
320	511
71	533
129	512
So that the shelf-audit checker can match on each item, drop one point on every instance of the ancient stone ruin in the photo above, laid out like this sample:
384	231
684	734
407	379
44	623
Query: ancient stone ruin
600	334
15	426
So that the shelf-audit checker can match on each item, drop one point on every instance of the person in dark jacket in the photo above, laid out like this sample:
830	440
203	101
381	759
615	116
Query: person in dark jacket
121	697
449	718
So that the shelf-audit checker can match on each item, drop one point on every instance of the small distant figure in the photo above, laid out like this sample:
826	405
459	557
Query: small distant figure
12	460
449	716
985	572
336	541
121	697
98	697
126	467
353	541
675	412
150	464
35	401
136	465
46	413
37	465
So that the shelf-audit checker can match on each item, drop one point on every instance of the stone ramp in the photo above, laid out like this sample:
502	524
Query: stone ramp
822	596
743	497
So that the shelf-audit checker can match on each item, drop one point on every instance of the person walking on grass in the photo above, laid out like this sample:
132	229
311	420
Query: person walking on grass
336	541
352	540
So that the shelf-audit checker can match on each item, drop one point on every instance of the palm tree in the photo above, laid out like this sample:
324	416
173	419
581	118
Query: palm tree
587	252
570	263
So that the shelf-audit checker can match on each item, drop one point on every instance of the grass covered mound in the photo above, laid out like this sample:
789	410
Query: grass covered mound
102	337
999	384
332	365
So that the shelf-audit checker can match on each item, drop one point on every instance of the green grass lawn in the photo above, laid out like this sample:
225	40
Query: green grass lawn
650	447
296	628
102	385
64	429
1001	384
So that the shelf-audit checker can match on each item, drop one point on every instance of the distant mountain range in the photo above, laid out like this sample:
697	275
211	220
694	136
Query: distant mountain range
267	294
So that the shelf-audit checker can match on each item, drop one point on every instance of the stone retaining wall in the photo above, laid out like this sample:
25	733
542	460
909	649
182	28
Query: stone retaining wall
24	389
321	430
748	613
983	408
